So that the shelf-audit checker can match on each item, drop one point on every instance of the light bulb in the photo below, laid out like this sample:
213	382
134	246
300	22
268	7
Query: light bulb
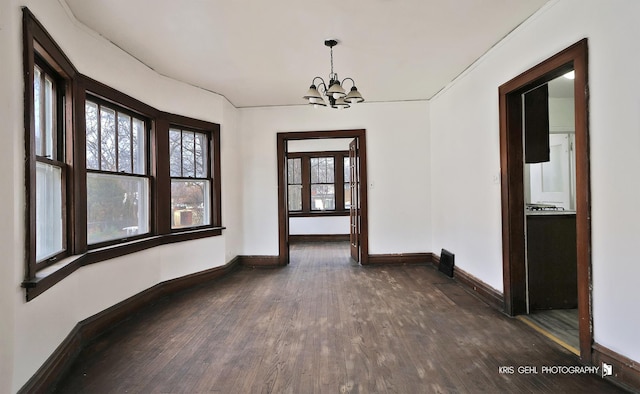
336	96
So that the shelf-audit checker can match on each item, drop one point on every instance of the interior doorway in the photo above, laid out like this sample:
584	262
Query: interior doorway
357	194
517	293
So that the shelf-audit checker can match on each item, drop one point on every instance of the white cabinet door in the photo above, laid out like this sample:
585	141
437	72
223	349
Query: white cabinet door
551	181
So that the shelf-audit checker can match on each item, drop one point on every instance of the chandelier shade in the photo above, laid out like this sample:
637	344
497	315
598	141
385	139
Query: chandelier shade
354	96
332	93
312	93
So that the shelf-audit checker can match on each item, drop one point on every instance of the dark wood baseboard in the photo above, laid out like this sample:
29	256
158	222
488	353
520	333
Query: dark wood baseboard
260	261
45	379
626	372
400	258
318	238
487	293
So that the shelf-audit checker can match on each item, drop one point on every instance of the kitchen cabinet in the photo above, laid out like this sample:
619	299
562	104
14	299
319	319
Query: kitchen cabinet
536	125
552	260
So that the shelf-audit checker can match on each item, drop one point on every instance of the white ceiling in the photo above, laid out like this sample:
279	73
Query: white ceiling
263	53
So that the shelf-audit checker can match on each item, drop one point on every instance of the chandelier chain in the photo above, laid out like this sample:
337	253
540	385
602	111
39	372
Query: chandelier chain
331	76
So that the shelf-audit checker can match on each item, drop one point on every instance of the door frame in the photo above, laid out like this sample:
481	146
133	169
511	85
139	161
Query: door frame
511	161
354	207
283	217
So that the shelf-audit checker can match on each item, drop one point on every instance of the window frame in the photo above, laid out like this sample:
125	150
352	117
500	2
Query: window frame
293	183
40	50
212	162
110	98
338	182
38	46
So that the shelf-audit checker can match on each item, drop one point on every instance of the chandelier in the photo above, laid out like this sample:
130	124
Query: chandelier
335	94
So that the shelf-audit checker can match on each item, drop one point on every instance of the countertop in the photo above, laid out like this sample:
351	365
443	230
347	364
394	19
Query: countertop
549	213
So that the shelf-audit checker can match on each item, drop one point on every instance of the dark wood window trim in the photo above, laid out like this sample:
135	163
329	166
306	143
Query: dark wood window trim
134	111
39	47
338	182
213	166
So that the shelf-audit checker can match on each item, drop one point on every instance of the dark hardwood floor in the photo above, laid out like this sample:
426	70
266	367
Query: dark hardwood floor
324	324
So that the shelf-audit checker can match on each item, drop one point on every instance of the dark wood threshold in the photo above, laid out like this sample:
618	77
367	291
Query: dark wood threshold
318	238
400	258
487	293
45	379
260	261
625	372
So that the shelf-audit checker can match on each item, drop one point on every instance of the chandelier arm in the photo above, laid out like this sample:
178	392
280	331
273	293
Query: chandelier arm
353	83
324	88
313	82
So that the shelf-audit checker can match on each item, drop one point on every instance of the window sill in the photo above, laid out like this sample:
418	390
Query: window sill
49	276
317	214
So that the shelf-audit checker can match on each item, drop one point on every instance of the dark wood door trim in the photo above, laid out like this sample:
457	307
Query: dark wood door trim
283	220
354	215
511	161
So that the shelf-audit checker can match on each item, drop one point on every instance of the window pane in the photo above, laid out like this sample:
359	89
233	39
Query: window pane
49	223
330	171
295	197
139	147
124	143
347	170
201	155
107	139
175	152
190	203
49	117
93	143
117	207
347	196
44	111
294	171
322	169
38	98
188	154
314	164
323	197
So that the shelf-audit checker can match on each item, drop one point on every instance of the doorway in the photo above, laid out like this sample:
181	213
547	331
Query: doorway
358	223
512	157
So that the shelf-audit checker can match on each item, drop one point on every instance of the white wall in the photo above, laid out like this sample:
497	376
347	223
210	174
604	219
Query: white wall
29	332
466	158
11	264
561	115
319	225
397	163
319	145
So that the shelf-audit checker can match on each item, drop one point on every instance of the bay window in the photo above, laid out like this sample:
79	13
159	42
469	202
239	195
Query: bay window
105	174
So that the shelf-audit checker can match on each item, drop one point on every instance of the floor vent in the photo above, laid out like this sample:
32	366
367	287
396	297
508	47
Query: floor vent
446	263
